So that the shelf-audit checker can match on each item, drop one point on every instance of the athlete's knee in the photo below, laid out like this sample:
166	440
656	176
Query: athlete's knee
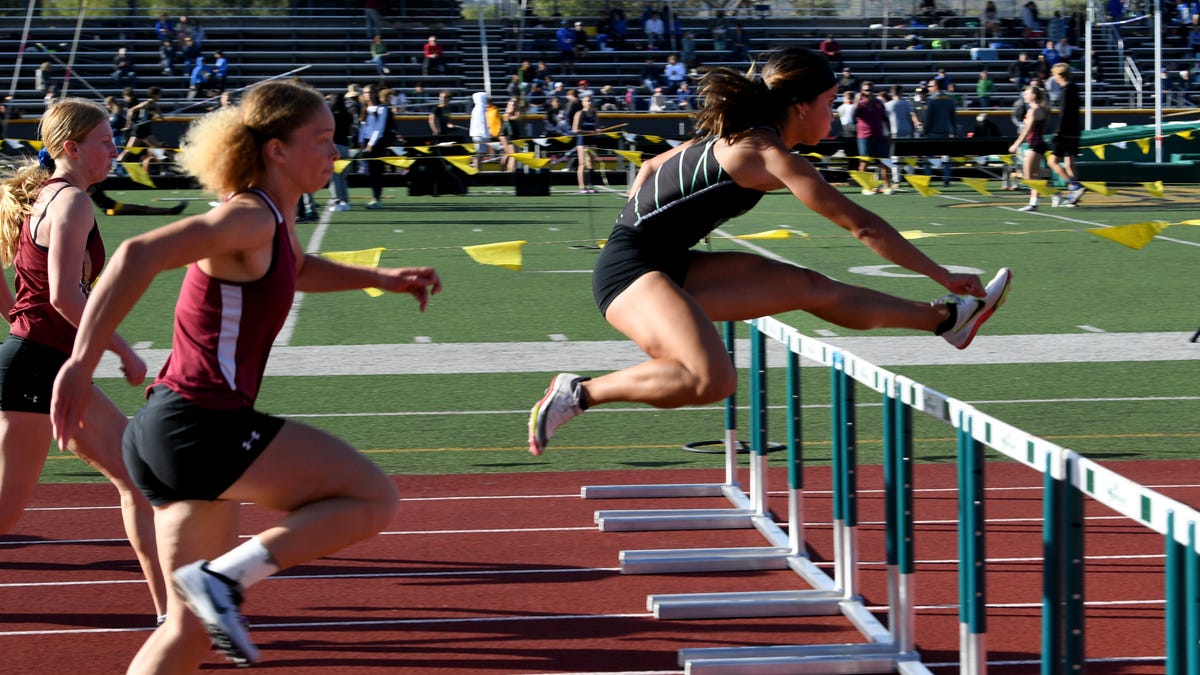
715	382
380	503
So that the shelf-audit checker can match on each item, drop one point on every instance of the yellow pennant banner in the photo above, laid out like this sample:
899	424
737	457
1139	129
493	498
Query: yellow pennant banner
1135	235
530	160
463	163
339	165
769	234
1155	188
1042	187
423	149
633	156
367	258
865	179
1143	145
921	184
979	185
1099	150
1099	188
402	162
137	173
921	234
502	254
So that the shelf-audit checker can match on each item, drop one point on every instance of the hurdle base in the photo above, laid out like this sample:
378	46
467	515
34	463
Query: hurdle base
745	605
795	660
653	491
675	519
674	561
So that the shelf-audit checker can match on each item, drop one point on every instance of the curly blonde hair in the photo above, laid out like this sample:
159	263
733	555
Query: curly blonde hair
69	119
223	150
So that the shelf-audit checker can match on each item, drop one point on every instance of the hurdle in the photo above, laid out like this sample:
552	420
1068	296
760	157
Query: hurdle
1068	478
743	508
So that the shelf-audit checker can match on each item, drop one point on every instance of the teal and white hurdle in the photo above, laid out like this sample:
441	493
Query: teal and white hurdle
744	508
1068	478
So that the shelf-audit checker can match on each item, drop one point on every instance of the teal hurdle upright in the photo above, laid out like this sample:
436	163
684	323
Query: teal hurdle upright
773	556
739	515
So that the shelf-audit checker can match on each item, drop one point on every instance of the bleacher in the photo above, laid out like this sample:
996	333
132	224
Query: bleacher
331	46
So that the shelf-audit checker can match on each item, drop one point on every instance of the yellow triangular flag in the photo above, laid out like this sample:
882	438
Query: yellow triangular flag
38	145
1155	188
1042	187
137	173
1144	145
339	165
462	163
921	184
1099	150
1190	222
918	234
911	161
1134	236
528	159
814	155
769	234
502	254
652	138
1099	188
563	139
402	162
633	156
1186	134
367	258
865	179
613	134
424	149
978	184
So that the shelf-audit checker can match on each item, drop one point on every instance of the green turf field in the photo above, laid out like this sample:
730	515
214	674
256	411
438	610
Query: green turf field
1066	282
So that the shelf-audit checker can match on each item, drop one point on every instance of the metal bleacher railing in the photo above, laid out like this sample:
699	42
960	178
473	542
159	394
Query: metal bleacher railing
1067	478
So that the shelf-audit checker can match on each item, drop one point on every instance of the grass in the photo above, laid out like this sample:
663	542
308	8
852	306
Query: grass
431	424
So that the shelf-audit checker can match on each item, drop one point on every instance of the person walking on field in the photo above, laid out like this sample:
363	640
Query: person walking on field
1066	142
48	233
1031	142
198	448
651	285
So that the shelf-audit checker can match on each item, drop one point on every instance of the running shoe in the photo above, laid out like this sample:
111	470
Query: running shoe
1028	207
560	404
374	204
214	599
971	312
1074	194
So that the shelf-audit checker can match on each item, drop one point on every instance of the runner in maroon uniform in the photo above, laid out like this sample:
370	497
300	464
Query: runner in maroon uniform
49	234
198	447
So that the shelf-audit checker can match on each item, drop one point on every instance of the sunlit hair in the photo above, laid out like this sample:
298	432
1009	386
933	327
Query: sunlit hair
223	149
68	119
733	103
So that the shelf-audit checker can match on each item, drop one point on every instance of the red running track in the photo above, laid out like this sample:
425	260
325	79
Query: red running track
506	573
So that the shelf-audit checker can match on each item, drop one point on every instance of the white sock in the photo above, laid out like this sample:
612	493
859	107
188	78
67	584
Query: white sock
247	564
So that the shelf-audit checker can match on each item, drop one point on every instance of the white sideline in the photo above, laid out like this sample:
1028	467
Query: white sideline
548	356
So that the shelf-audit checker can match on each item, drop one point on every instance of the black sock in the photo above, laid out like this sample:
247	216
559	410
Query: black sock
580	394
948	323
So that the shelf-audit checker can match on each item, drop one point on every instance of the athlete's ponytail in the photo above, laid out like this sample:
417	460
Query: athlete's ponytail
732	103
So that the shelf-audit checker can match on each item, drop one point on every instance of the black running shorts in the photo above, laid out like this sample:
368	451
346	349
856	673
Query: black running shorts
176	450
627	255
1066	146
27	372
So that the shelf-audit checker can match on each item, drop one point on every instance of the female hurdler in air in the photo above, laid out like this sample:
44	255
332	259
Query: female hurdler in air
652	287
